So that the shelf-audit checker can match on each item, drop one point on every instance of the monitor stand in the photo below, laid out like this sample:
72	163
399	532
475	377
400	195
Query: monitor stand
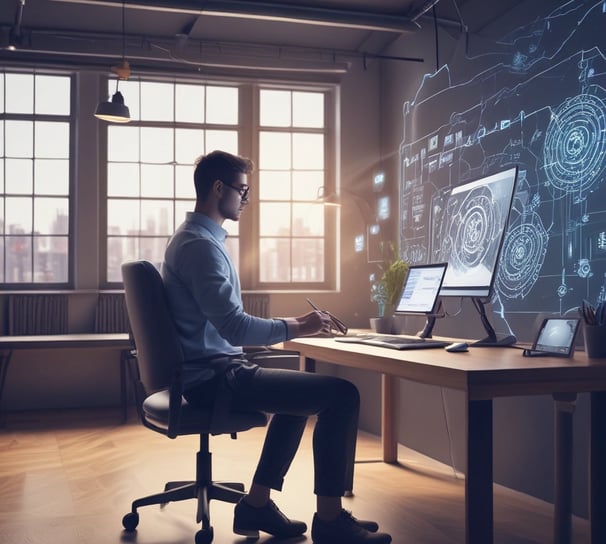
431	321
492	340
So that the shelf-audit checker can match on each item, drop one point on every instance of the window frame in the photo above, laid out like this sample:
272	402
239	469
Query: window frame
71	121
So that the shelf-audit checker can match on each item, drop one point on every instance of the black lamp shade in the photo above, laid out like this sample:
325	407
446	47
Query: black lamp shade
115	111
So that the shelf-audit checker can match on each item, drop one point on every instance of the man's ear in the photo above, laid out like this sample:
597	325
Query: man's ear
217	188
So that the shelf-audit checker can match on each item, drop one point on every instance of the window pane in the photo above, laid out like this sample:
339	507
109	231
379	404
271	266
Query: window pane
51	176
2	278
308	219
184	182
232	228
50	259
274	185
18	215
52	140
274	260
232	245
157	101
306	185
181	208
308	110
123	179
50	215
52	95
274	151
119	250
122	143
226	140
189	105
222	105
122	217
157	145
2	104
18	259
189	144
152	249
308	151
274	219
275	108
157	217
308	260
19	93
157	180
19	176
19	139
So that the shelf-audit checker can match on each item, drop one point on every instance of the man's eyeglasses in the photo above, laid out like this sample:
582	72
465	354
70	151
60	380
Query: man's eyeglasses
243	190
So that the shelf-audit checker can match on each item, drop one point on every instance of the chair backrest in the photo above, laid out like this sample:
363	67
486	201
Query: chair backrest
159	353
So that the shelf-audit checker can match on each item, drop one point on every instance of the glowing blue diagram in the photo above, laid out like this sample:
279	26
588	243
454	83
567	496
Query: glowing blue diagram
540	106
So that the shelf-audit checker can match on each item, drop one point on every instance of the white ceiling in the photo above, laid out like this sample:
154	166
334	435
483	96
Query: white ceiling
186	33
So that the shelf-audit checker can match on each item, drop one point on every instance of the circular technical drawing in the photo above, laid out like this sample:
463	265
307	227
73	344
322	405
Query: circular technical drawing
575	146
471	230
522	257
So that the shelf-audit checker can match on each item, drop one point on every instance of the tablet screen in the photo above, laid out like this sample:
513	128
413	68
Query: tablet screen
557	335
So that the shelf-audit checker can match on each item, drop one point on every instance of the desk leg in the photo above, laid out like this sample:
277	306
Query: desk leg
389	417
562	516
597	468
478	479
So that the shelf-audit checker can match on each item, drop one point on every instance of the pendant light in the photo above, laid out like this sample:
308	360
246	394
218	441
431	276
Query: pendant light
115	110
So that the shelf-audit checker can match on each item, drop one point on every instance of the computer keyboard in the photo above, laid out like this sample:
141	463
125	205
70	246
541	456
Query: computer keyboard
393	342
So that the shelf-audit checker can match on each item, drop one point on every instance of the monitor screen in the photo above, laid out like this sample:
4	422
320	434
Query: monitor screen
421	289
469	223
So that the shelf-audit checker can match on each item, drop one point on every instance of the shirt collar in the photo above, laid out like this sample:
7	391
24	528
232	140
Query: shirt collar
204	221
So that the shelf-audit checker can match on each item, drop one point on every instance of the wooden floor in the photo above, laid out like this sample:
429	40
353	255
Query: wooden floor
69	477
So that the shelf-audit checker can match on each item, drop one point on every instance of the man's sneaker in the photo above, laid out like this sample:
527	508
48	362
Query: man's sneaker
371	526
248	521
345	529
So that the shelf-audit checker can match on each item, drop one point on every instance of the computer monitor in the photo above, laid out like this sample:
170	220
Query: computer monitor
421	289
469	224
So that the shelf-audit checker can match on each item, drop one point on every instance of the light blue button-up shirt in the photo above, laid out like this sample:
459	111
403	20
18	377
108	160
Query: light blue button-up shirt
204	296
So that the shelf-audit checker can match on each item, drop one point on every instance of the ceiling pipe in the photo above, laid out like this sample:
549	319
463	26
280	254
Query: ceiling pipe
363	20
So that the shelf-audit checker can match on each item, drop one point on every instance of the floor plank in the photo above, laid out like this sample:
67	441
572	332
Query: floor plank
70	476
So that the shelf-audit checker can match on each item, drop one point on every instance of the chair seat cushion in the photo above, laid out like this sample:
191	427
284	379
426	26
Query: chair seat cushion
193	421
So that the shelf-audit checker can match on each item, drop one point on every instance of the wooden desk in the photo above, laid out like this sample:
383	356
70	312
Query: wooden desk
62	341
484	374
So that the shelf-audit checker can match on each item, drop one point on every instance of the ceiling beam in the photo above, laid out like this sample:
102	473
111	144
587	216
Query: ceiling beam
271	11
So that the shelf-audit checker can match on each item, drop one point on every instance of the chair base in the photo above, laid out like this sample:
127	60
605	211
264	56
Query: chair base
203	490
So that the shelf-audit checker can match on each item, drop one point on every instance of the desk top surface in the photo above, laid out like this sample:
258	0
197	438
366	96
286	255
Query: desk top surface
84	340
483	372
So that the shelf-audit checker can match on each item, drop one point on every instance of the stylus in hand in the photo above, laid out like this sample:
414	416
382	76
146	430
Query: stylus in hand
336	323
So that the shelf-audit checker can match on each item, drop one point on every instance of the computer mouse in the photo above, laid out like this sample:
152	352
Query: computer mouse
457	347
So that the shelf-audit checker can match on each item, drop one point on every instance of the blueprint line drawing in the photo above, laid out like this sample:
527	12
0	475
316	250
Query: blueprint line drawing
538	102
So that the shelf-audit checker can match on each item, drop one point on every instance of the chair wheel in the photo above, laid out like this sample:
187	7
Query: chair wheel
205	536
130	521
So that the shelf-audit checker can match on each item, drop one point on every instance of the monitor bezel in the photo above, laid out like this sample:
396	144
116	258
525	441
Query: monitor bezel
485	291
437	298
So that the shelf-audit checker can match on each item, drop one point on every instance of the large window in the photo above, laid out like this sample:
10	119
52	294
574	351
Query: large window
281	240
150	163
292	231
35	128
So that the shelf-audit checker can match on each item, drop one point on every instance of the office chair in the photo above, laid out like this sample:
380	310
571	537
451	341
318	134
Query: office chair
163	409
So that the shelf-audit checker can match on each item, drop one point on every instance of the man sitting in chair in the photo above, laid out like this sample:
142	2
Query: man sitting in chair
204	296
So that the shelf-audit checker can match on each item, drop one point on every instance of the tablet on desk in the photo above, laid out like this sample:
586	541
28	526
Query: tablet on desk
555	337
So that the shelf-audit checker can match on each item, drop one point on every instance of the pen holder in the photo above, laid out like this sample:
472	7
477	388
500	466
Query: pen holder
595	340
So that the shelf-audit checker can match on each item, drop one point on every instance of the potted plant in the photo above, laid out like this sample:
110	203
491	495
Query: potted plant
386	291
